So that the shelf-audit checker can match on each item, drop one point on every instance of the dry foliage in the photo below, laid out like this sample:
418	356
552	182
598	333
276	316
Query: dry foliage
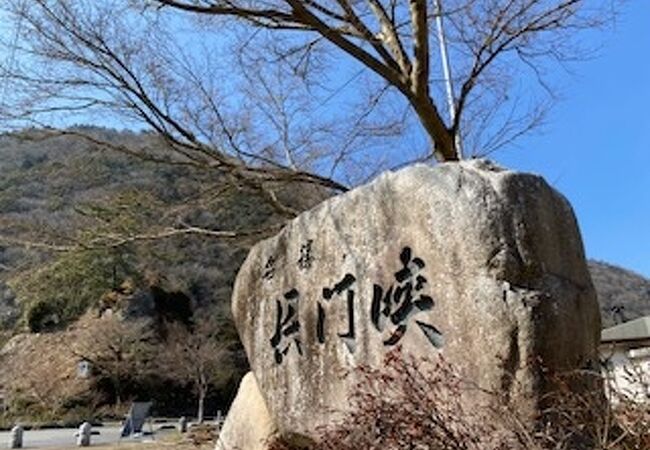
193	354
39	375
118	349
404	407
202	434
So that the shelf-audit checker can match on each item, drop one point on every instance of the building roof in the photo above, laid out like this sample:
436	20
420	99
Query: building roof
637	329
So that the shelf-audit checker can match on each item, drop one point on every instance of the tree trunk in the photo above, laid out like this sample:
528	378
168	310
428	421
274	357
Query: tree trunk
202	395
442	139
118	392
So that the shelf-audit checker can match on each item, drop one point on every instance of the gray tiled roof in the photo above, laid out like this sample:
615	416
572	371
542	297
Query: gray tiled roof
632	330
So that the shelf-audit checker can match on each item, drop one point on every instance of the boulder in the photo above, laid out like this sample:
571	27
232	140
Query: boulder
9	309
479	264
248	425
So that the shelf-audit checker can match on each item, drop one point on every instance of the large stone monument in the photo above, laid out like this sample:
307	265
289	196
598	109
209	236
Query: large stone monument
468	260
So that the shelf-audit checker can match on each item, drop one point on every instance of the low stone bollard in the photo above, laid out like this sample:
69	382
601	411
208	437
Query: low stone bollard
182	424
16	437
83	435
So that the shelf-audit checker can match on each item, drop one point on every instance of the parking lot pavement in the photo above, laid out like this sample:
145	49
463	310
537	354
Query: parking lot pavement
63	437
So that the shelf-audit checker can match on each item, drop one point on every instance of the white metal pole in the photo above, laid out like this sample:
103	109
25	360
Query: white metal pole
446	71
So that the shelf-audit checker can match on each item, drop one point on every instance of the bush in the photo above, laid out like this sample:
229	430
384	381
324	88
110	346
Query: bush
57	294
404	407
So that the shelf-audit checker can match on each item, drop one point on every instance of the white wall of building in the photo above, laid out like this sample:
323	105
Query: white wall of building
628	373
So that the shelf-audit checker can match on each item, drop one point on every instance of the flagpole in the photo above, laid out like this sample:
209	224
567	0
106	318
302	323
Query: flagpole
446	71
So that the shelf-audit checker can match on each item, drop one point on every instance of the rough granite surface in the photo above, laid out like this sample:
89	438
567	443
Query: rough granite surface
479	264
248	425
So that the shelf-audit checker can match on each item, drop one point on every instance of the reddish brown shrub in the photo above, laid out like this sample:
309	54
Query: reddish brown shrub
405	407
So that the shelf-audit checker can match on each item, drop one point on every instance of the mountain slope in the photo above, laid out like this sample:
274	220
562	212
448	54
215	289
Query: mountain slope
65	189
623	295
52	186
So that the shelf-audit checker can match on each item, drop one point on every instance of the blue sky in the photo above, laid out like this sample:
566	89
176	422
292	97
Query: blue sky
595	147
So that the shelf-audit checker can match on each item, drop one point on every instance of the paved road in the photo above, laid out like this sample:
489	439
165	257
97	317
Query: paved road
65	437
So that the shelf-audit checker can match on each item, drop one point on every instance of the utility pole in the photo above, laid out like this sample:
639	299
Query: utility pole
446	72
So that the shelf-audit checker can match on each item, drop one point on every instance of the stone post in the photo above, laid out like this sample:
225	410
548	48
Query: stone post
182	424
83	435
16	437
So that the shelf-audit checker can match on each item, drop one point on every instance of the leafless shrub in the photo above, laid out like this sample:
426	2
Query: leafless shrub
403	406
194	355
116	348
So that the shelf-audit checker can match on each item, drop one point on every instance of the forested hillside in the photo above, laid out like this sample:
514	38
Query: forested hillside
623	294
86	230
65	189
58	191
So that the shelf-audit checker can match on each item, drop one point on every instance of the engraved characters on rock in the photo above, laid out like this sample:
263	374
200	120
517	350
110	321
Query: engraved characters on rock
392	309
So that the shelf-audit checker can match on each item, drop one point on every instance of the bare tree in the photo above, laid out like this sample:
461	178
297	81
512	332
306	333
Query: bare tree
393	38
116	349
193	355
251	92
39	374
112	64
